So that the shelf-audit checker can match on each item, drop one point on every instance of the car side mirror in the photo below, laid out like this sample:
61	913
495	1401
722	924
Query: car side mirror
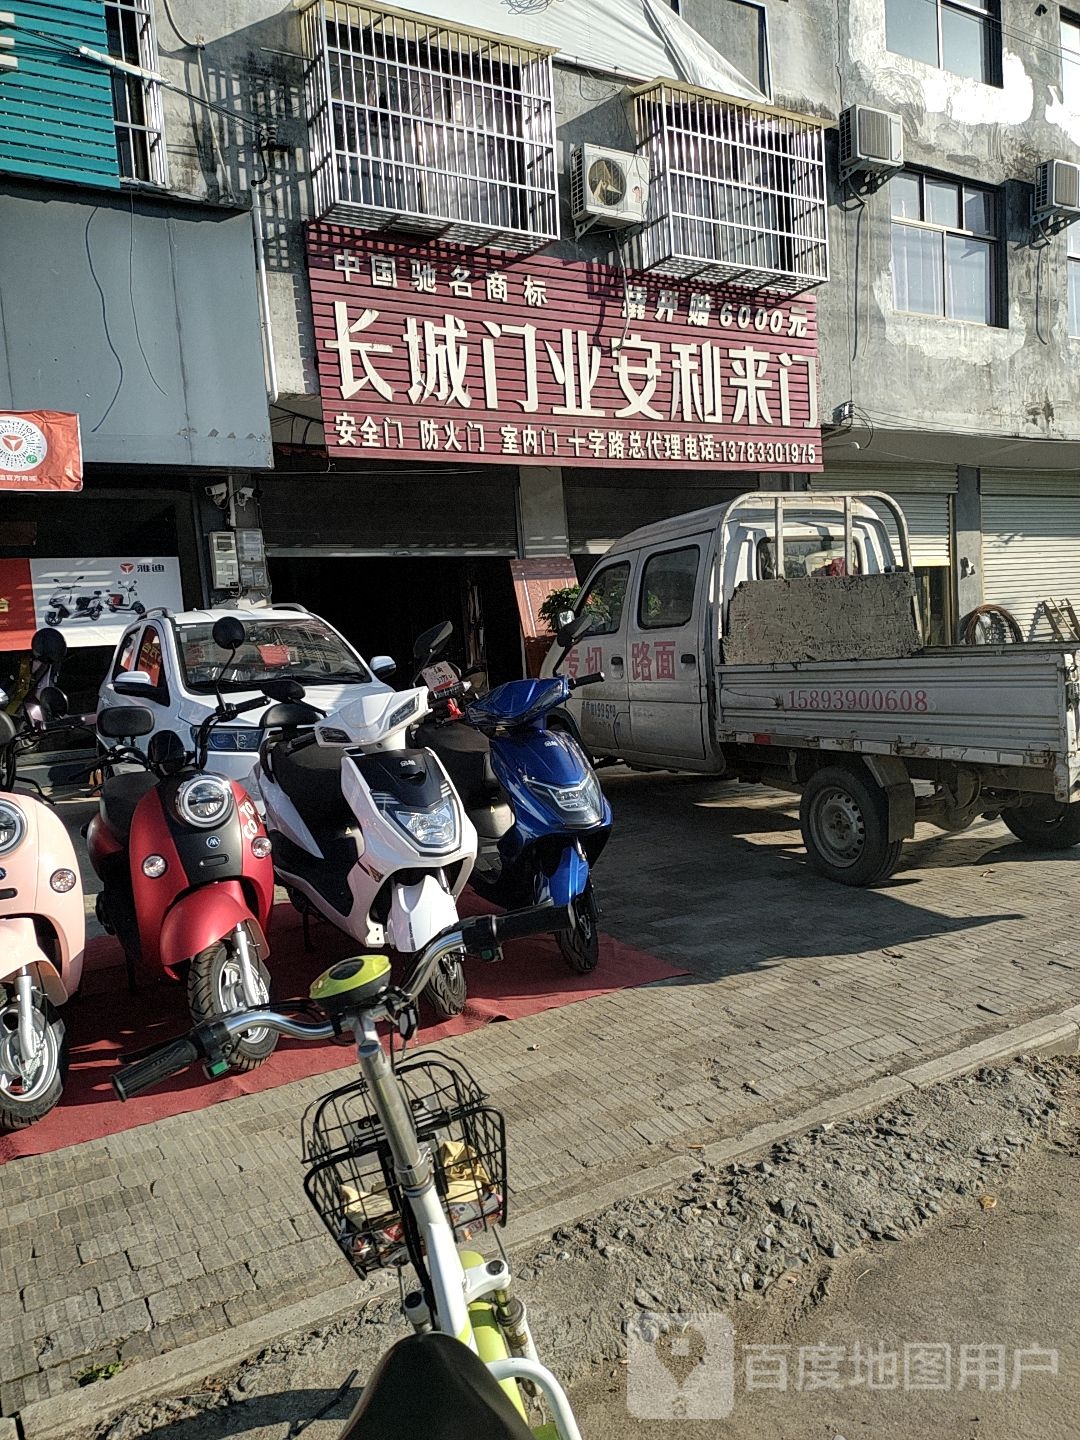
383	666
133	682
575	629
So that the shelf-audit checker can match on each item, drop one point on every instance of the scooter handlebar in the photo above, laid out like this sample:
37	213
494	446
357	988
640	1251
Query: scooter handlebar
170	1059
596	678
484	932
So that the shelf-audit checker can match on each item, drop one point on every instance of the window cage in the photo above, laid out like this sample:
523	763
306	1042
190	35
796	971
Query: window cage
737	192
137	108
424	127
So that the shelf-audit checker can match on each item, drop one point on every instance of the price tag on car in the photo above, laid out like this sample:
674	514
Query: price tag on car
440	676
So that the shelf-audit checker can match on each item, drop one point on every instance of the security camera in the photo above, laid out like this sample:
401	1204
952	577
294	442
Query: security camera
218	493
245	494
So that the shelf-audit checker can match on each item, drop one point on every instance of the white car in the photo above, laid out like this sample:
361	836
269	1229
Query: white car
173	667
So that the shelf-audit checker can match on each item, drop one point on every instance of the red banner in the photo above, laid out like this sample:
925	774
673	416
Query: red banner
435	352
40	450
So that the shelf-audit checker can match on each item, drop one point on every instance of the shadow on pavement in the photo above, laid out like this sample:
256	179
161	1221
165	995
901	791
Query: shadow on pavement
243	1416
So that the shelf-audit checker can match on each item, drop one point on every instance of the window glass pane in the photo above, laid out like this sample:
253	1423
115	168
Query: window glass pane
917	270
904	196
967	44
1070	63
969	272
942	203
1074	297
911	29
667	589
978	211
604	599
1072	236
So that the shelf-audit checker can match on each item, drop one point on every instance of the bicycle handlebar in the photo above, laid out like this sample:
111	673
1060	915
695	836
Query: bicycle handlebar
479	932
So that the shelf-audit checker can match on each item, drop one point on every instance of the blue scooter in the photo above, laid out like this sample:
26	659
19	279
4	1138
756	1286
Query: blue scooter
541	818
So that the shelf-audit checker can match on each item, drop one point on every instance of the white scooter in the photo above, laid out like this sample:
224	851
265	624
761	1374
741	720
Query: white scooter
366	832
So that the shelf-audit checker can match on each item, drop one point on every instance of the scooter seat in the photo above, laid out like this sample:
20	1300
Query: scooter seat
466	755
311	777
120	796
433	1386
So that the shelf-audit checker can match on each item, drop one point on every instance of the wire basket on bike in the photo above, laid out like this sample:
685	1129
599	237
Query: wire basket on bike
350	1172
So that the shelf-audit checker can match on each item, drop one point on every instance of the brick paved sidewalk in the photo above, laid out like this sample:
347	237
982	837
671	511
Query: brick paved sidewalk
801	990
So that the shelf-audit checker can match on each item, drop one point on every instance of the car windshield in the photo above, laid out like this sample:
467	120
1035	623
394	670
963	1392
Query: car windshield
820	555
302	649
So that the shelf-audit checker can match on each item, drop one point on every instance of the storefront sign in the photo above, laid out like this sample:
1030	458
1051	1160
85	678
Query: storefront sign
90	601
40	450
434	352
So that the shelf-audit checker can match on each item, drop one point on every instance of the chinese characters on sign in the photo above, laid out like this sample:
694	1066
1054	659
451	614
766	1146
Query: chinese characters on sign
430	350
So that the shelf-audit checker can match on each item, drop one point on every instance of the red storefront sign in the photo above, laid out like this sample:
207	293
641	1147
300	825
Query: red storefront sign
435	352
40	450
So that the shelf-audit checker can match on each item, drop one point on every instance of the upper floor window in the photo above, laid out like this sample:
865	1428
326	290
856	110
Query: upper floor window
419	125
736	192
1073	266
1070	61
945	248
963	36
140	140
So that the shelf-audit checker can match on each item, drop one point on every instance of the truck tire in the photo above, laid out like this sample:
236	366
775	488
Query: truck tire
844	819
1046	824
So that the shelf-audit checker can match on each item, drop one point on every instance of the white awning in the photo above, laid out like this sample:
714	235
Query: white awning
641	39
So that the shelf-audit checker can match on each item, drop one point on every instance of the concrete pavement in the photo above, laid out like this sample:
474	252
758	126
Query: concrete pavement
800	991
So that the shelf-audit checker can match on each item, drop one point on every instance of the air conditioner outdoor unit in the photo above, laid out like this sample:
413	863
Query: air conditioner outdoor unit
608	186
1057	188
870	140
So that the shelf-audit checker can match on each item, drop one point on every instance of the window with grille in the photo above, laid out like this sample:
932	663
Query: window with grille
140	139
736	193
945	248
424	127
1070	61
963	36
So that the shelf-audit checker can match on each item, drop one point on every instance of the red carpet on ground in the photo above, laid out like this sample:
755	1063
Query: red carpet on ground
106	1021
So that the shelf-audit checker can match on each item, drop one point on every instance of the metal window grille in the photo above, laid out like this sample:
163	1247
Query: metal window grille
420	126
140	126
737	192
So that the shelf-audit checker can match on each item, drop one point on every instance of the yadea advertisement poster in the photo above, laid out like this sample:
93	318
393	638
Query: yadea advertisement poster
92	601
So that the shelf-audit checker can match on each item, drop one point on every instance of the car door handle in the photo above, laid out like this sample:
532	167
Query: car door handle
688	659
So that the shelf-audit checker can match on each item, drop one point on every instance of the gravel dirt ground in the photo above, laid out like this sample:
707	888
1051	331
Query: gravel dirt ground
911	1275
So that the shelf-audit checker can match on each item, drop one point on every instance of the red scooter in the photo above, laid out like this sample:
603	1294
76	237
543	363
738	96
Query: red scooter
184	861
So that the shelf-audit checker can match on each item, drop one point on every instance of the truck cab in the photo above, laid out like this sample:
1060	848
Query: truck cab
660	598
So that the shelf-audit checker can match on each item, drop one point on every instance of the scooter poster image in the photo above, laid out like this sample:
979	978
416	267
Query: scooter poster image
93	599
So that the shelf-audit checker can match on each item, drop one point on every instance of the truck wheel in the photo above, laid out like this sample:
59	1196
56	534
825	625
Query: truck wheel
1046	824
215	988
845	828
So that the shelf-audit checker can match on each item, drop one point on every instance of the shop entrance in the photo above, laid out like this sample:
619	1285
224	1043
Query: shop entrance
382	603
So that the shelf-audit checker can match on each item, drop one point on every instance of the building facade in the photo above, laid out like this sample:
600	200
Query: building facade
506	281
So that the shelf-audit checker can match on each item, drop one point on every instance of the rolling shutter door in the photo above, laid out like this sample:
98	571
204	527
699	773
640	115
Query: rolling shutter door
923	495
1030	543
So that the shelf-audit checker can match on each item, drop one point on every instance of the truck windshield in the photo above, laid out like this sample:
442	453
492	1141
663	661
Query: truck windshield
809	555
302	649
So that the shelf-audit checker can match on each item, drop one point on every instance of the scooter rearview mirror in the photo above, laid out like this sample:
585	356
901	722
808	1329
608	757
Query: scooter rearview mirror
428	645
284	690
53	701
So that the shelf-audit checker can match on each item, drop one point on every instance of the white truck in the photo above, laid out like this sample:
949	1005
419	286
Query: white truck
776	640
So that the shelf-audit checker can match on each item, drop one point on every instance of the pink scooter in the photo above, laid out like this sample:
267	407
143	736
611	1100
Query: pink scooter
42	915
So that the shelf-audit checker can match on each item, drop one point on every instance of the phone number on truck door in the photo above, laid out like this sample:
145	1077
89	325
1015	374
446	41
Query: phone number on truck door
903	701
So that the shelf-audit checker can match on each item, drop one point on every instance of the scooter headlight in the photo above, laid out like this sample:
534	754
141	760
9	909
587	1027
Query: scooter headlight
433	829
12	826
204	800
581	804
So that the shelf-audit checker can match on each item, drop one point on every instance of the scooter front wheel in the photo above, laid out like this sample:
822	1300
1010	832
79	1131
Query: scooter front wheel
28	1096
581	946
215	987
447	989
